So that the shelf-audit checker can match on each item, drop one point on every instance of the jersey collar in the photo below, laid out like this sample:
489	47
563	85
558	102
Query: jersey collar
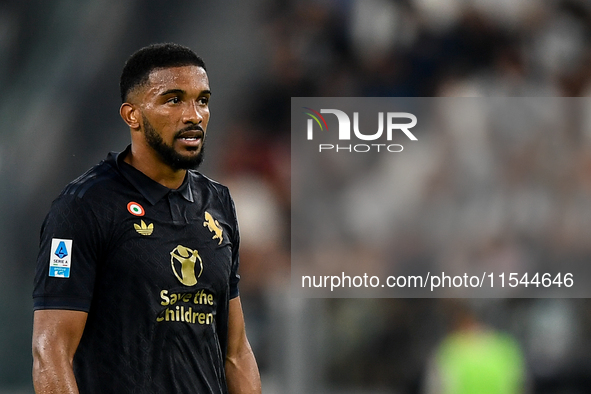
150	189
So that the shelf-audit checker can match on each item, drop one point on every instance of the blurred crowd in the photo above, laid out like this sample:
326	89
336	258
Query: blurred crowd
514	193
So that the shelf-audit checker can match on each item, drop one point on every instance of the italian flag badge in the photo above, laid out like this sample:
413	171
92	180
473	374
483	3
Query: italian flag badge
135	209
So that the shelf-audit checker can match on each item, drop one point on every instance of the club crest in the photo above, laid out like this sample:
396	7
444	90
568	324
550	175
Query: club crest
213	226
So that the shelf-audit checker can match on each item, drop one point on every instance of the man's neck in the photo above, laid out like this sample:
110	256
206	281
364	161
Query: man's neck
152	166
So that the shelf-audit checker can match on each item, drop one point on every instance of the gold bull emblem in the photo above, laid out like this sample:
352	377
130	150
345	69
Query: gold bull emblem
213	226
188	259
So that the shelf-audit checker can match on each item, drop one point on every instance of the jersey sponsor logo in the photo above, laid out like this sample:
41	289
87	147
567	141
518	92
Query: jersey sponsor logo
213	226
191	306
135	209
144	229
184	261
60	259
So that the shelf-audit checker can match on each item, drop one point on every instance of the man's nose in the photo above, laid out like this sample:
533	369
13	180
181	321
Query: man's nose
192	114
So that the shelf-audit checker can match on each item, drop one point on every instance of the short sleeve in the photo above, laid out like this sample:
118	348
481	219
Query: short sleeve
68	255
234	276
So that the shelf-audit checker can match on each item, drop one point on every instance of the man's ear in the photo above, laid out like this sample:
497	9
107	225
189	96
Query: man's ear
130	115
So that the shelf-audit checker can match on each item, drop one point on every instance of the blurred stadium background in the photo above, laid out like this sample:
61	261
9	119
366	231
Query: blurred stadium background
59	68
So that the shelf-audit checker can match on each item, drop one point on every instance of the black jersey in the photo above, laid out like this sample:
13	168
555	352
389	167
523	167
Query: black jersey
154	268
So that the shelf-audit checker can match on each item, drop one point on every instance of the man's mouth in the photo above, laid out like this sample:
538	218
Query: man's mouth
190	135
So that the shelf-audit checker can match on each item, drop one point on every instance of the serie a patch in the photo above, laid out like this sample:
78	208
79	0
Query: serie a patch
60	258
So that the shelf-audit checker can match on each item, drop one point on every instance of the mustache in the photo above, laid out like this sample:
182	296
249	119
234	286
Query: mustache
195	127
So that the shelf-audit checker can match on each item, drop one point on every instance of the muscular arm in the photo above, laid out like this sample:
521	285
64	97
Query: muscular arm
242	373
56	334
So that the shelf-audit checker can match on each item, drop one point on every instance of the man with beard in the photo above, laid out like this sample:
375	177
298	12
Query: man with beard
136	288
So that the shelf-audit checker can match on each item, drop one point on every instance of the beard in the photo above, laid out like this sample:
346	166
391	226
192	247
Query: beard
168	154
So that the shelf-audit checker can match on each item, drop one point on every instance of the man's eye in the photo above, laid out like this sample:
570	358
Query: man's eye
204	100
174	100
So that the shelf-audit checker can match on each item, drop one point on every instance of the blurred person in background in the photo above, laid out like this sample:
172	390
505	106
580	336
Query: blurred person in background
136	288
475	359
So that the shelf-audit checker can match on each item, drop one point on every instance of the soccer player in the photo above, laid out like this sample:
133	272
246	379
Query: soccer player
136	288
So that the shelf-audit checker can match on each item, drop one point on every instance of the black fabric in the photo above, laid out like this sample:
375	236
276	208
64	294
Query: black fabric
150	328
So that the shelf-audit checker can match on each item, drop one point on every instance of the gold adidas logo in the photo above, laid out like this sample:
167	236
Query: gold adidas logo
143	229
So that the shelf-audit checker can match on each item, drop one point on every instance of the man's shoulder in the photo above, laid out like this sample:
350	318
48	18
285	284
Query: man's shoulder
96	180
202	181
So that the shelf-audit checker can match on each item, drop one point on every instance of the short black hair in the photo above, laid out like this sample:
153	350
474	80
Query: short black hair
138	67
